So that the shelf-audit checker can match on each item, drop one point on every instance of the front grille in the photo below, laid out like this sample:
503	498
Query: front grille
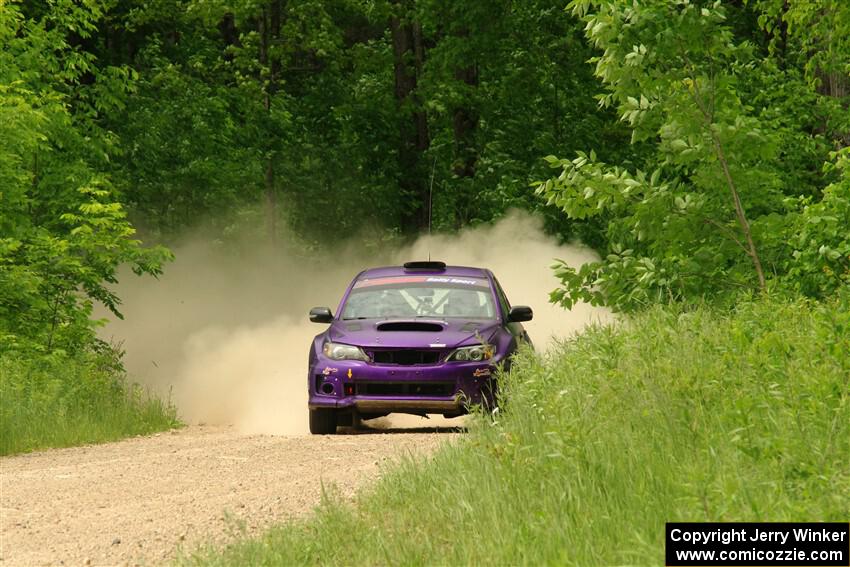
406	357
436	389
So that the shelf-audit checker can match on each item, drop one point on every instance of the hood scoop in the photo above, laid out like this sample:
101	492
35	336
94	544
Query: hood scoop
421	326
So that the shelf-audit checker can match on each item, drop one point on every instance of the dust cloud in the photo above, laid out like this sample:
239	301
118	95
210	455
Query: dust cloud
225	334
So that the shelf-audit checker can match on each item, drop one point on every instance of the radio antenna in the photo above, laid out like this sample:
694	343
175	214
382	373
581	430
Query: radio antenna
431	200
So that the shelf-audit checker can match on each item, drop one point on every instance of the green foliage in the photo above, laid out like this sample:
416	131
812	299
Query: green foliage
187	147
733	138
534	96
64	232
675	415
223	98
815	31
58	400
221	103
821	241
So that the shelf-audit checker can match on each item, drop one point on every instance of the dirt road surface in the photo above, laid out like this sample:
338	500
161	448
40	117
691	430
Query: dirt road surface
144	500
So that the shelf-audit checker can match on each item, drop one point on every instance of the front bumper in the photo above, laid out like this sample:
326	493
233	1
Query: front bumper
425	405
447	388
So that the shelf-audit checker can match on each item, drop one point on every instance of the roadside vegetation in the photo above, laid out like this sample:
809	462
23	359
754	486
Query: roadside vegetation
676	414
60	400
704	154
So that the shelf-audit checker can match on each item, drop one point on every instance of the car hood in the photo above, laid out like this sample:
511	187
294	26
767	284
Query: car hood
412	333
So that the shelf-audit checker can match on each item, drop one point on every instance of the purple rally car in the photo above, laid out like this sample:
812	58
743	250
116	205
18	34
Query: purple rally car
422	338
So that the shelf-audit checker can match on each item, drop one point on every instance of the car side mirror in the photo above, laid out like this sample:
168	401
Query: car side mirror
520	313
321	315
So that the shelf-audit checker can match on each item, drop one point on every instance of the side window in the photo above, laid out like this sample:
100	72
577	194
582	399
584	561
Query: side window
503	300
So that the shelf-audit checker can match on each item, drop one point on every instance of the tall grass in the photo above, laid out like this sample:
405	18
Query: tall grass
676	415
58	400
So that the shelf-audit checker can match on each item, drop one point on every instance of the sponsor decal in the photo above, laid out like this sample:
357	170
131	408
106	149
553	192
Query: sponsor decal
390	280
329	370
437	345
479	372
394	280
455	281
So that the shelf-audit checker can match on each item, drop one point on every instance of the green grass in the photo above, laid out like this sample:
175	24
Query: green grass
58	400
695	415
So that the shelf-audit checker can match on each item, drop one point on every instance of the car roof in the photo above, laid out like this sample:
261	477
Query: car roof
386	271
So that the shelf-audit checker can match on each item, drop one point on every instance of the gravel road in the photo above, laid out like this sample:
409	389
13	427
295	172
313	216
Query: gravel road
143	500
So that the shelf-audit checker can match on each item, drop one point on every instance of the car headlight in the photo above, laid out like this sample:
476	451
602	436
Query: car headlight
338	351
475	353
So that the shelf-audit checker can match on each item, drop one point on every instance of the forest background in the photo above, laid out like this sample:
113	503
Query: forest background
701	148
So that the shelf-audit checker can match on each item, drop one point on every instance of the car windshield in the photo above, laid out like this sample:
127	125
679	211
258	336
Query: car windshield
420	296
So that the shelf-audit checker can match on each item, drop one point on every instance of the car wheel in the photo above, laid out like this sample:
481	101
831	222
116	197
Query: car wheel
322	421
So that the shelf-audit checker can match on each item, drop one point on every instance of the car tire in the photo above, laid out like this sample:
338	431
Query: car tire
322	421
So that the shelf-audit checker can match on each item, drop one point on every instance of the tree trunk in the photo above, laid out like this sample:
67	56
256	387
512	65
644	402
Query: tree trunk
271	202
408	57
229	33
740	215
464	126
269	31
464	123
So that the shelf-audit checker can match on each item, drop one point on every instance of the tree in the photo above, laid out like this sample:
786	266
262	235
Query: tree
408	60
64	231
683	82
